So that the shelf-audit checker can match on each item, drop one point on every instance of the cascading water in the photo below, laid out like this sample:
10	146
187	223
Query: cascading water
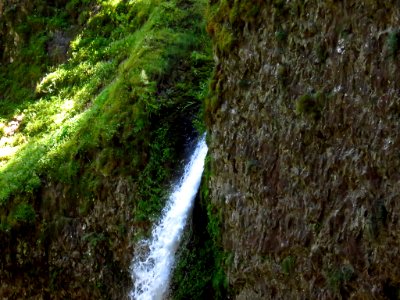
152	273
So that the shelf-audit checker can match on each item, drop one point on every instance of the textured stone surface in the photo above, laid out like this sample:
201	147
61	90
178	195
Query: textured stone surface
72	257
310	196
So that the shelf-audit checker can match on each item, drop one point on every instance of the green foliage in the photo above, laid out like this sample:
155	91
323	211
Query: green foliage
24	213
135	72
199	273
288	265
193	274
214	221
19	174
220	28
30	57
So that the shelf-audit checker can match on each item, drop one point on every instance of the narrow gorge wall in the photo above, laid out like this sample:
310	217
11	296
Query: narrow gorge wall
304	137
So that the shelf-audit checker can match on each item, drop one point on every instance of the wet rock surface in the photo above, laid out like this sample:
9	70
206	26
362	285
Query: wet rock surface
304	146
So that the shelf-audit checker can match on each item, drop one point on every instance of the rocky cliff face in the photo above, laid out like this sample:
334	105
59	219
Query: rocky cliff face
304	137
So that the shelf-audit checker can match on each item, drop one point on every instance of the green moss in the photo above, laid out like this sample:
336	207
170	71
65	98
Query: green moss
224	38
393	43
135	73
192	278
306	104
214	222
225	19
23	213
118	110
311	105
288	265
200	272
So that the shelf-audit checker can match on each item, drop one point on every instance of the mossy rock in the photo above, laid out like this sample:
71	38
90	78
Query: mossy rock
23	213
311	105
288	265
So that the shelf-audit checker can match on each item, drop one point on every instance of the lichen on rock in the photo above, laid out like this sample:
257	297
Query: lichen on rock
303	144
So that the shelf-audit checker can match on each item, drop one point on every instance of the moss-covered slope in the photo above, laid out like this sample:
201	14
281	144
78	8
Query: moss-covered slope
98	101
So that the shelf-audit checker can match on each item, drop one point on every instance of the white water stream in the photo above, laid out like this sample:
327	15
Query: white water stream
151	273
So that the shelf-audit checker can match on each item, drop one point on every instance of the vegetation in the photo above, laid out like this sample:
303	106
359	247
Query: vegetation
136	71
23	213
225	18
393	43
200	272
311	105
288	264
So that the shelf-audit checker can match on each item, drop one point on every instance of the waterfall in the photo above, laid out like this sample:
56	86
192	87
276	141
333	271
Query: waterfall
151	273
